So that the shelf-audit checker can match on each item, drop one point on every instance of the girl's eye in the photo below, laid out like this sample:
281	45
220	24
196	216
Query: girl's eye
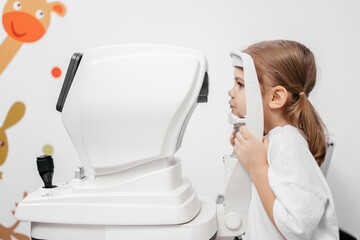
17	5
40	14
2	143
240	84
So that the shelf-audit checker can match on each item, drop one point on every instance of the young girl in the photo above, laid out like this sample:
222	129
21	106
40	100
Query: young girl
290	196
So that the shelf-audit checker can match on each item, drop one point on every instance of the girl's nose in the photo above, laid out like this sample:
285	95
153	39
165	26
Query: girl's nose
231	92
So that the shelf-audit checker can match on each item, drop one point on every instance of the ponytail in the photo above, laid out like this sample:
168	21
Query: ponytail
304	117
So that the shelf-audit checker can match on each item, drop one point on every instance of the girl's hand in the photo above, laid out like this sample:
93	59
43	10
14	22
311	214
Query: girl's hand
251	153
232	137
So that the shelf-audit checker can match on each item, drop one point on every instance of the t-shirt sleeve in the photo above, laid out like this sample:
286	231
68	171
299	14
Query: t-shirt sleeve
297	211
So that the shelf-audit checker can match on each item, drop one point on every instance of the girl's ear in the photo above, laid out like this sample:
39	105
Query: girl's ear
278	97
14	115
59	8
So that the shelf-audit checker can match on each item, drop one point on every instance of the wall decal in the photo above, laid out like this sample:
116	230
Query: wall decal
56	72
14	115
25	21
48	149
7	233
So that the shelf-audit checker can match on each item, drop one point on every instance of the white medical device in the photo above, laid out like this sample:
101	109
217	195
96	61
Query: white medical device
126	109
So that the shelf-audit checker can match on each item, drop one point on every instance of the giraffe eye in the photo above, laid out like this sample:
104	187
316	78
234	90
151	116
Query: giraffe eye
40	14
2	143
17	5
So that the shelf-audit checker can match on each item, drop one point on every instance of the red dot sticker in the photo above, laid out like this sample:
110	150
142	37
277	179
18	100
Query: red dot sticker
56	72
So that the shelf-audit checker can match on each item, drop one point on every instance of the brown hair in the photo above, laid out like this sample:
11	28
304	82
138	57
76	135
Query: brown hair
292	65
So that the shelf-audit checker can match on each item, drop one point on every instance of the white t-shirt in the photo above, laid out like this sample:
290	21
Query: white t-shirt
304	207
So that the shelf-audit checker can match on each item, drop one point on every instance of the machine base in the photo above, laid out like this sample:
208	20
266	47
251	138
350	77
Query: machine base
213	238
203	226
159	196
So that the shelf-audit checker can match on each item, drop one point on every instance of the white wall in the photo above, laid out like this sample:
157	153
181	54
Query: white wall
329	28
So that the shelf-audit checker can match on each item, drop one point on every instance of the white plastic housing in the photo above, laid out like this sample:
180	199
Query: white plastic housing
161	197
254	105
128	104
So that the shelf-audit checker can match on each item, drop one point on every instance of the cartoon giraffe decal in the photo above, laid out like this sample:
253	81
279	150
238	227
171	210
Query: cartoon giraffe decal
14	115
6	233
25	21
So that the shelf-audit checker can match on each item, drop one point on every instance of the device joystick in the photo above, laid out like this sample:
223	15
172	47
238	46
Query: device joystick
45	165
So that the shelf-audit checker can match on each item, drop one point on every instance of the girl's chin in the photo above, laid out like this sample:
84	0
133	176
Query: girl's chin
236	114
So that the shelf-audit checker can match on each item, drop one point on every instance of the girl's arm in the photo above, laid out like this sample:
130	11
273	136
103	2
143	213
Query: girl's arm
253	156
267	196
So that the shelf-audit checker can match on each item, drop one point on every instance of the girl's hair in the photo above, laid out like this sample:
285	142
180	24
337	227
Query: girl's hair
292	65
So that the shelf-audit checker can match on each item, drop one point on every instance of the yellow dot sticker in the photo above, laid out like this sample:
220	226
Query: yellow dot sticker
48	149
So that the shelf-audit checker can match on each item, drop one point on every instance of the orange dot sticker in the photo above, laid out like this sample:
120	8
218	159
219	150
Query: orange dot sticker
56	72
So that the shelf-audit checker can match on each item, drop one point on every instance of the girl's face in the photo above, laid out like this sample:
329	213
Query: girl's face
237	94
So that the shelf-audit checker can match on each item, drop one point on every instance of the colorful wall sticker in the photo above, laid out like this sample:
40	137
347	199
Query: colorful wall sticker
48	149
14	115
56	72
25	21
8	233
